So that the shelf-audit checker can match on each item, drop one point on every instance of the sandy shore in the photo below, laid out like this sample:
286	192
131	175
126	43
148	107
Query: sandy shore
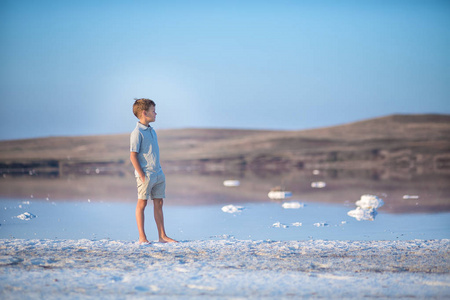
225	268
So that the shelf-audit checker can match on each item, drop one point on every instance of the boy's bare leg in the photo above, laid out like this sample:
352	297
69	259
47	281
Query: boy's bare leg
140	207
159	219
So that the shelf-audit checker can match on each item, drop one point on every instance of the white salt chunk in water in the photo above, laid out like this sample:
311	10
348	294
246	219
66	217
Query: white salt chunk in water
369	202
318	185
231	183
231	209
26	216
292	205
410	197
279	225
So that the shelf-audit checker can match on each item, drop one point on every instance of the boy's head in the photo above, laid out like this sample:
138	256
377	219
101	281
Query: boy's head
141	105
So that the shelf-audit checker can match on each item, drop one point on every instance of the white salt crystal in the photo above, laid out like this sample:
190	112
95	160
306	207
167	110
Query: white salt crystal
410	197
292	205
318	185
231	183
322	224
369	202
231	209
26	216
277	195
279	225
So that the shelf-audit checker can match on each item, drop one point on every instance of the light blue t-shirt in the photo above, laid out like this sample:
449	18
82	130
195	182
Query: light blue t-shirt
144	141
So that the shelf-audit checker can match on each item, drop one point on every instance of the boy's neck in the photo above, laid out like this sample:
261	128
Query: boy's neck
144	123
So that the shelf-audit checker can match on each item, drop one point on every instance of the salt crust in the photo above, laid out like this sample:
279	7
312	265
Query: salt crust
106	269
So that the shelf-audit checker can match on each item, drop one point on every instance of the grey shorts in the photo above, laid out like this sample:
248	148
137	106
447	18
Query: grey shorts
154	186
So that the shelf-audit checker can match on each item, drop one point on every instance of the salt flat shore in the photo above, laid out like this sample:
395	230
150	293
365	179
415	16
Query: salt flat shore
224	269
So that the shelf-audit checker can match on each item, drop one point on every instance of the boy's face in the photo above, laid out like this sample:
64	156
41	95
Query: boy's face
150	114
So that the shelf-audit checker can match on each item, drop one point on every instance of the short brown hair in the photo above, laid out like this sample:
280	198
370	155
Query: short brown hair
141	105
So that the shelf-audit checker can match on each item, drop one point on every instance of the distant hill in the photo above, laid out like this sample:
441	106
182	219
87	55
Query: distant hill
411	142
398	141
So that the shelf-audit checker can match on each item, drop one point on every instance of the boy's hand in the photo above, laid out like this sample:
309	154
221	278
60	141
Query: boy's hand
137	167
142	178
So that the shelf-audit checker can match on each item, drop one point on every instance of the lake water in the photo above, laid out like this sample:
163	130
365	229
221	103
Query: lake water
59	219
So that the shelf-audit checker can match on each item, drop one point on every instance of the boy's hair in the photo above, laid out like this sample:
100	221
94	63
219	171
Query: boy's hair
141	105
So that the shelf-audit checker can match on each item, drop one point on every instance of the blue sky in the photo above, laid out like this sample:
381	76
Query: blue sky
74	67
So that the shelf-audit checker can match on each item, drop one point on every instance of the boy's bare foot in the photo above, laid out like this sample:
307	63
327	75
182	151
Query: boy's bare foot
144	242
167	240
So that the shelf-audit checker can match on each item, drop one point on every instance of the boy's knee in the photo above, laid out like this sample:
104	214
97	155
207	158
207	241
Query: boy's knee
157	202
141	204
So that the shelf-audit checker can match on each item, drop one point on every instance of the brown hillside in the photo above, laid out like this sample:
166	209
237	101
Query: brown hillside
400	141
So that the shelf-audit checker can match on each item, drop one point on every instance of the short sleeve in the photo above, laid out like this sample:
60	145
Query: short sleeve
135	141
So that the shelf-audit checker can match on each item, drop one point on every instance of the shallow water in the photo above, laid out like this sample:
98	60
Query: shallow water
50	219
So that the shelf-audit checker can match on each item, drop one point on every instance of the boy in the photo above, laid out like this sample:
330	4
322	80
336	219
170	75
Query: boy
151	181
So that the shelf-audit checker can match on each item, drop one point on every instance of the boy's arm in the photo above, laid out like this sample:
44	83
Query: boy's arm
136	165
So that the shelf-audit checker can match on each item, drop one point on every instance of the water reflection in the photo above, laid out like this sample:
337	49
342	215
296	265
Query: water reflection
414	193
361	214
